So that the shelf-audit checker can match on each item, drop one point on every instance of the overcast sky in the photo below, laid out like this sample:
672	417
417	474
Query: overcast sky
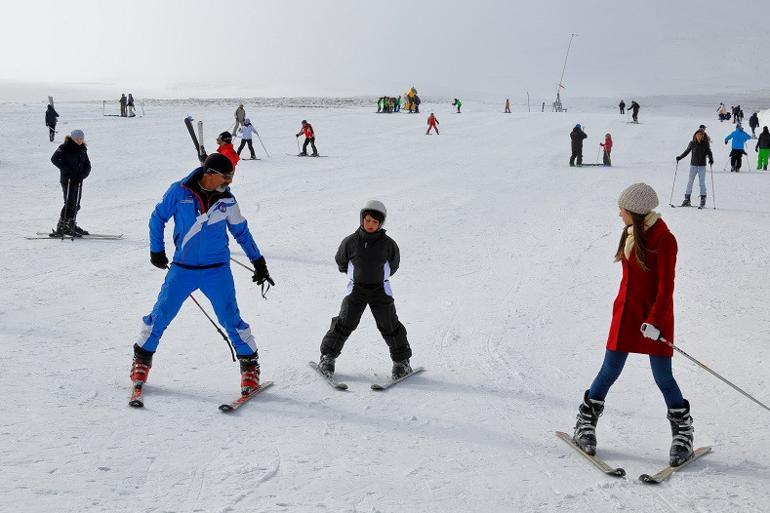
92	49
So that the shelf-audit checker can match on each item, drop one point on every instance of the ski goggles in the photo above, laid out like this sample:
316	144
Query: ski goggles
224	175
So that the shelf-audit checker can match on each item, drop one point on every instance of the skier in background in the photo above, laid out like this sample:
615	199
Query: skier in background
763	147
225	147
247	133
507	106
739	138
123	102
309	133
622	107
131	110
457	103
50	121
576	136
71	157
700	147
204	210
754	124
240	115
370	258
722	112
635	111
432	123
643	313
416	102
607	146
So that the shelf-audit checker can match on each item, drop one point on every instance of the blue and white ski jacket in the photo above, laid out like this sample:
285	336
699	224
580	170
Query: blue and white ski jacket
739	138
200	237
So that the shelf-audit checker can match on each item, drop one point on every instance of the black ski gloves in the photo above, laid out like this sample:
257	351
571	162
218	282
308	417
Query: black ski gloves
261	274
159	259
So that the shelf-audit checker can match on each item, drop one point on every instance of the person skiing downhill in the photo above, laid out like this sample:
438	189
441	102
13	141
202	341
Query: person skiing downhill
457	103
225	147
622	107
204	209
309	133
71	157
754	124
763	147
634	111
247	134
432	123
240	116
739	138
370	258
50	121
607	146
701	150
643	313
576	136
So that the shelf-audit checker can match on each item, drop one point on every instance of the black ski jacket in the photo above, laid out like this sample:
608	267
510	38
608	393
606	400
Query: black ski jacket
577	135
700	150
764	140
50	116
754	121
72	160
368	258
635	107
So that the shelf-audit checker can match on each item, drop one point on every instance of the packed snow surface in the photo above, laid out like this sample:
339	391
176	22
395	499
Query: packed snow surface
506	286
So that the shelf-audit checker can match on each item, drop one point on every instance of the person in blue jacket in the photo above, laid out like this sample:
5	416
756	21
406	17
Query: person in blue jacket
739	138
204	210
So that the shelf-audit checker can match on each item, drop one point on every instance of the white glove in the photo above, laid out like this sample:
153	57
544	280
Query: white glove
650	331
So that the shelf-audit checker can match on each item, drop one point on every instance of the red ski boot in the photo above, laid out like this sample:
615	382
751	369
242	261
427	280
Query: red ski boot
249	374
140	368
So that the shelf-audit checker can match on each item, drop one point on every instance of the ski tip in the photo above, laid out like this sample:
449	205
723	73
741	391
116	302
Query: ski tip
225	408
136	403
646	478
341	386
619	472
377	386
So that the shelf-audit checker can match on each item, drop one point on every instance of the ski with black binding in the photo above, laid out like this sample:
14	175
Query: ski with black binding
594	460
137	398
92	235
329	378
666	472
230	407
72	237
301	155
389	383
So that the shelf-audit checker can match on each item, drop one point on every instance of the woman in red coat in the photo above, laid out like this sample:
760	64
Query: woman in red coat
642	314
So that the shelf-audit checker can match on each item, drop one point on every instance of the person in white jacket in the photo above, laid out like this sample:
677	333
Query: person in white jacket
247	133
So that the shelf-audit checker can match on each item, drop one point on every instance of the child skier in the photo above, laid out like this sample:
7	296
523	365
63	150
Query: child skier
225	142
739	138
607	145
307	130
71	157
457	103
701	149
370	258
643	313
763	147
432	123
247	133
622	107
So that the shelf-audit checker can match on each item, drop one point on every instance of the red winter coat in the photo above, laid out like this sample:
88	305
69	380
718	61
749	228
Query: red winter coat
607	144
646	296
228	151
432	121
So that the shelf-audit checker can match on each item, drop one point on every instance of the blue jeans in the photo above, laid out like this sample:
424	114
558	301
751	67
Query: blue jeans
661	371
700	172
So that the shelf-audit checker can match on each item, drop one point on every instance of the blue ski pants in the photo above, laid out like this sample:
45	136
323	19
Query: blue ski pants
217	285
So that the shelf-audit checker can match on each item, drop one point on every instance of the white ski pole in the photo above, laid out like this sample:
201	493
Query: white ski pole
260	142
713	191
673	184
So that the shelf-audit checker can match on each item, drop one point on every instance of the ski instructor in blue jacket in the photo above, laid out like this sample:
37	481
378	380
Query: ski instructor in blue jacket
204	210
739	138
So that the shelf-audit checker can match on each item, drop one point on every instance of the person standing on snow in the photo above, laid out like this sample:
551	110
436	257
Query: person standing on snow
131	110
71	157
622	107
700	148
457	103
754	124
576	136
643	314
370	258
763	147
432	124
507	106
240	115
739	138
607	146
635	111
204	210
50	121
123	102
247	134
307	131
225	147
722	112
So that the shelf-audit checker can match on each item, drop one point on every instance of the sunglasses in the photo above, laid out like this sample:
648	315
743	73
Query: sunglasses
223	175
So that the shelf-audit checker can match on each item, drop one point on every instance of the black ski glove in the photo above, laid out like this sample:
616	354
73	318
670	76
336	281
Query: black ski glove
711	162
678	159
159	259
261	275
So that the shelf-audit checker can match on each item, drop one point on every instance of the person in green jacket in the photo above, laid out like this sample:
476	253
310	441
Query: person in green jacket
457	103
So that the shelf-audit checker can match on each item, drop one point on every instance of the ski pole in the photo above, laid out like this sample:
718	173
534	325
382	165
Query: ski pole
672	346
263	288
260	142
671	197
713	191
227	340
597	154
298	150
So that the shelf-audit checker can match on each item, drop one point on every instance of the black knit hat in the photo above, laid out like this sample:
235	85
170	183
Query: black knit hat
226	136
218	163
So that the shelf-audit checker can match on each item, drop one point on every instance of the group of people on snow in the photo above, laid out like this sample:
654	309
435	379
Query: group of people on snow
127	106
577	136
388	104
634	108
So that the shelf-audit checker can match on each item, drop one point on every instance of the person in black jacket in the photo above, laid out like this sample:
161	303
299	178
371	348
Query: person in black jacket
370	258
622	106
763	147
577	135
634	111
701	150
71	157
50	121
754	124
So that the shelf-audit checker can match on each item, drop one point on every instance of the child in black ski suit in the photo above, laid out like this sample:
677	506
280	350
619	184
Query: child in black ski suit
369	257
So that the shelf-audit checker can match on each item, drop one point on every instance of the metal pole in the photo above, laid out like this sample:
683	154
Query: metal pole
713	191
260	142
671	197
561	79
528	102
672	346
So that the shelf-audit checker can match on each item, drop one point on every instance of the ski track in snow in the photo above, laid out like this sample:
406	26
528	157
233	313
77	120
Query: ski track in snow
506	288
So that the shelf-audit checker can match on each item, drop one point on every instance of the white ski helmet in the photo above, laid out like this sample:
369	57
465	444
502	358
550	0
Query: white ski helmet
375	206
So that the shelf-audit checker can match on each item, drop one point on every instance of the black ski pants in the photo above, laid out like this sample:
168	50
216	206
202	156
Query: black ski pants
311	142
244	142
736	159
384	310
72	190
577	154
51	132
622	110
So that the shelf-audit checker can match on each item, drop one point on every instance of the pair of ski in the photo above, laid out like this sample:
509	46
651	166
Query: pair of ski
602	465
137	398
91	236
686	206
301	155
329	378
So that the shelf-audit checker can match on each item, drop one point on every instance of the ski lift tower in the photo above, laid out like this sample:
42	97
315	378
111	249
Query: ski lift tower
557	105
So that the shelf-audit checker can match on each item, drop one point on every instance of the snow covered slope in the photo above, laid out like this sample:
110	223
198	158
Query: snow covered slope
506	286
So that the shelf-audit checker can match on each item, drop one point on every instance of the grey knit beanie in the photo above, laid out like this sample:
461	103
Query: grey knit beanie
638	198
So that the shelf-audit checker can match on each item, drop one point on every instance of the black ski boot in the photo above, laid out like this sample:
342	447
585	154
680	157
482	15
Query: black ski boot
401	369
585	429
682	434
702	201
326	364
686	202
78	229
65	228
